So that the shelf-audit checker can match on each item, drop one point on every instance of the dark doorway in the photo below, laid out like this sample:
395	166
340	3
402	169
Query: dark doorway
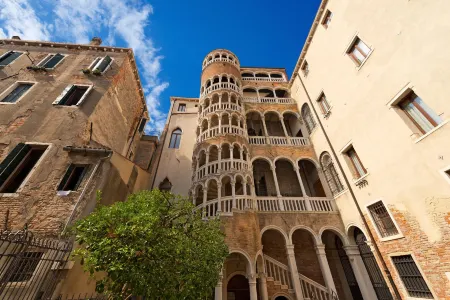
376	277
351	279
281	298
238	288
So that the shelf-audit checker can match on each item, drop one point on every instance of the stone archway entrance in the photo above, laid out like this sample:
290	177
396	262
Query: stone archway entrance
238	288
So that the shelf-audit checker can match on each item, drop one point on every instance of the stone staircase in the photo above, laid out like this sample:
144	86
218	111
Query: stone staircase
279	280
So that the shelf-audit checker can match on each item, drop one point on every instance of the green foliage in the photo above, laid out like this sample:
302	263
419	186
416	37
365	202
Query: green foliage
151	245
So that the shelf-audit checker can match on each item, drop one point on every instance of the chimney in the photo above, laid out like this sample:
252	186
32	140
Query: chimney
96	41
15	37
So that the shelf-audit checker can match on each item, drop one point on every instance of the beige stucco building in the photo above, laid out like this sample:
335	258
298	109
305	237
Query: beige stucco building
335	182
71	123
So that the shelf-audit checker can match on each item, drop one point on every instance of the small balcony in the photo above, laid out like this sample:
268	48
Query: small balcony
263	76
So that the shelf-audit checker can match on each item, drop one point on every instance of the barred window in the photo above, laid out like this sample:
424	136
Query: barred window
382	219
324	104
308	118
24	268
331	174
412	278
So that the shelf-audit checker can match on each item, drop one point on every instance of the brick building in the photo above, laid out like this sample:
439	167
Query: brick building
71	123
335	182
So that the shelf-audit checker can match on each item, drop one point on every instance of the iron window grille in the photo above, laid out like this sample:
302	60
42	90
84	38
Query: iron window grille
382	219
412	278
331	175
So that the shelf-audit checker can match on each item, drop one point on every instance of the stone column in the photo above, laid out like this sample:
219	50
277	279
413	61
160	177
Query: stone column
302	187
325	268
220	101
284	126
219	195
196	169
252	189
219	154
231	155
233	192
244	187
263	287
294	272
220	124
266	134
252	284
205	199
275	179
361	275
218	290
208	134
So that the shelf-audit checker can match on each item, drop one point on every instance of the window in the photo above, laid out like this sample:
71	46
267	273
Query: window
359	51
73	177
15	168
24	267
51	61
165	185
308	118
142	125
175	139
419	113
18	91
412	279
327	19
9	57
100	65
305	68
182	107
331	175
324	105
357	166
382	220
73	95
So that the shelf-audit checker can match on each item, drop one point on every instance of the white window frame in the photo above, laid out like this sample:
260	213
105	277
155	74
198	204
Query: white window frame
343	152
374	224
66	90
393	104
443	173
328	112
25	181
390	255
356	36
92	66
42	60
12	87
21	53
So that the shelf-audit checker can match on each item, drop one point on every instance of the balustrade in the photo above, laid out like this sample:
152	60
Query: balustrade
270	100
224	129
263	79
224	106
278	271
278	140
220	86
295	204
224	165
220	59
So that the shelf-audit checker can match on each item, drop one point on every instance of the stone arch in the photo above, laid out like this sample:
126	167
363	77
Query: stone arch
266	92
285	158
312	177
225	180
281	92
279	229
213	151
336	231
303	227
205	125
225	150
280	295
202	158
350	229
250	266
198	200
165	185
263	158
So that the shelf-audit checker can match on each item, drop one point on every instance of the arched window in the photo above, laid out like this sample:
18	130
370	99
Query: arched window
175	139
308	118
331	175
165	185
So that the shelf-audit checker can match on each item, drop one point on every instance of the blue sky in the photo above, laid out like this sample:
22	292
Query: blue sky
170	37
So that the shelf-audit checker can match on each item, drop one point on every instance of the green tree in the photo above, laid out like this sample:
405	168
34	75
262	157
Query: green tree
151	245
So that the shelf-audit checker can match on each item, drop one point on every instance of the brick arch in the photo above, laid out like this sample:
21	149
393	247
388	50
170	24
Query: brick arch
276	228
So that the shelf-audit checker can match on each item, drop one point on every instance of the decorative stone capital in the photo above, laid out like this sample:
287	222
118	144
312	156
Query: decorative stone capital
252	278
320	249
352	250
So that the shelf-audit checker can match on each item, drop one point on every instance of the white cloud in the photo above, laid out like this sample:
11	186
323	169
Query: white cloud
80	20
19	18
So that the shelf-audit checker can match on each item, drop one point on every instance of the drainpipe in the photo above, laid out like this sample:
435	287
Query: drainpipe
366	225
101	160
135	130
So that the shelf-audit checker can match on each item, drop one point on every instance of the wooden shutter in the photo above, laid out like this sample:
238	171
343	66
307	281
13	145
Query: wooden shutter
85	95
66	177
104	63
52	62
63	94
10	163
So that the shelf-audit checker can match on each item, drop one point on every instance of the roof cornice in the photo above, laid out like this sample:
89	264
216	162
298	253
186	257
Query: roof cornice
308	41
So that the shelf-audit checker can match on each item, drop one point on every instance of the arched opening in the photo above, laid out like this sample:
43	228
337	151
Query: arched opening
214	121
250	92
341	269
233	99
263	177
198	131
210	58
276	75
217	55
208	83
308	119
238	288
236	151
215	99
281	298
281	93
266	93
234	121
248	183
306	256
198	195
274	249
206	103
287	179
273	124
311	180
226	187
244	153
232	80
202	158
213	153
204	125
175	139
212	190
225	119
165	185
224	79
292	124
254	124
262	75
247	75
373	270
225	152
331	175
239	186
216	80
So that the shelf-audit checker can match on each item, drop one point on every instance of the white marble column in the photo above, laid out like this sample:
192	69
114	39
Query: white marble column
302	187
219	153
218	290
360	271
325	268
263	287
275	179
294	272
233	192
266	134
252	285
205	198
219	195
